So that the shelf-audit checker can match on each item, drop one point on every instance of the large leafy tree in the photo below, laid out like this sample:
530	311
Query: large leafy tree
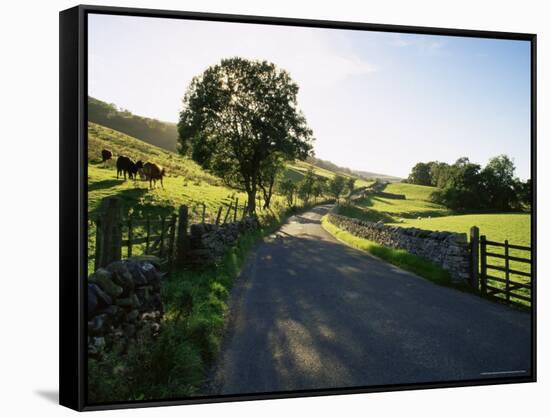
240	119
501	183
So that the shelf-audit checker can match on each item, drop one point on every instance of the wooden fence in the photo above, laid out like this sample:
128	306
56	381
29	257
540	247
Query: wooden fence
514	281
165	236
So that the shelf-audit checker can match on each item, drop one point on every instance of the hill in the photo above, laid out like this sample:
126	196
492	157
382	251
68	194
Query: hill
366	175
155	132
165	135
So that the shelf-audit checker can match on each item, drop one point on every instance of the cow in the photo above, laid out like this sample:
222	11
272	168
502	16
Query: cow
152	173
135	169
139	168
125	166
106	155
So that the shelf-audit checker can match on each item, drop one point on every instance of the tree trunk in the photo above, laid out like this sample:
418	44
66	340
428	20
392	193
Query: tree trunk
251	192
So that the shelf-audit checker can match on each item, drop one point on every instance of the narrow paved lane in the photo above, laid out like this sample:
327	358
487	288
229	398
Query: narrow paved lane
309	312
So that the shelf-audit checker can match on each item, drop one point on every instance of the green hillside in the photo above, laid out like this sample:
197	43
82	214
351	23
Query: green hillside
416	204
155	132
185	182
296	171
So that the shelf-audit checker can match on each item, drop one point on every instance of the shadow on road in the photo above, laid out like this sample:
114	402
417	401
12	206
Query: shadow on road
318	314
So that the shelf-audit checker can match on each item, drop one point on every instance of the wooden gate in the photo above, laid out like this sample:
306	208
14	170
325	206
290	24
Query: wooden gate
118	237
503	273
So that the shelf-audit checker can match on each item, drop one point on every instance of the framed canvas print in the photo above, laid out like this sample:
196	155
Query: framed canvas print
256	207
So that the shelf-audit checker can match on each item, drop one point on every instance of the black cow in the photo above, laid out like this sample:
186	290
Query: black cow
125	166
138	169
106	155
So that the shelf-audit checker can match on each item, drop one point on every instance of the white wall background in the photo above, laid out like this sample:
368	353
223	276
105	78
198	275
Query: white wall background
29	207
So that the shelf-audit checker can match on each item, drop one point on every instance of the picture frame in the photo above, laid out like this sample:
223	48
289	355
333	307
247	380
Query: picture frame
75	221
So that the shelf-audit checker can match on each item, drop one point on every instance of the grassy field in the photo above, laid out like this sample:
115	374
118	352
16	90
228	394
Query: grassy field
418	211
417	202
516	227
296	171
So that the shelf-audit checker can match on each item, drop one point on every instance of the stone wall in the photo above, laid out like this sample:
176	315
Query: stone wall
208	242
449	250
123	301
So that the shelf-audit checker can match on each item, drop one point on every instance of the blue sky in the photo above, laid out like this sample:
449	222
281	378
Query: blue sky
376	101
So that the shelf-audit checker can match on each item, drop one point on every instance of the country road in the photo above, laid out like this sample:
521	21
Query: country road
309	312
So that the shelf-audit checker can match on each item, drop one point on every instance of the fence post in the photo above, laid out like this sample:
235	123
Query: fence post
182	239
507	269
162	235
171	242
203	212
227	212
483	263
147	234
236	208
244	210
109	233
130	237
474	257
219	215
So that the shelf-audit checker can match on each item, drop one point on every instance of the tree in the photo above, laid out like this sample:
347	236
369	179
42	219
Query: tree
500	183
239	119
319	187
288	189
350	184
439	173
337	184
464	187
420	174
305	186
270	171
523	192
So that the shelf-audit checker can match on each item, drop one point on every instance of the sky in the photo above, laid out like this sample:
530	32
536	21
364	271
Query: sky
378	102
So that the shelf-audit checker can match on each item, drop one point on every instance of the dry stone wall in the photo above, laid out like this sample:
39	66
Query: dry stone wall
208	242
123	302
449	250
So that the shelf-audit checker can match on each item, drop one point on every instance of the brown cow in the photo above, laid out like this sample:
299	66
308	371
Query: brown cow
152	173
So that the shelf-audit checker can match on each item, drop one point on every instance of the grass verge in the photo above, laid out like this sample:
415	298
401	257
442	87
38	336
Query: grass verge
398	257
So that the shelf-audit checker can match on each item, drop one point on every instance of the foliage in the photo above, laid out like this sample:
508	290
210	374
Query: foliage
350	185
306	185
466	186
155	132
288	189
237	115
337	186
420	174
319	187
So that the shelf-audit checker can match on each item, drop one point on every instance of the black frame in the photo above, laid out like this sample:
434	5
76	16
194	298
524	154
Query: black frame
73	65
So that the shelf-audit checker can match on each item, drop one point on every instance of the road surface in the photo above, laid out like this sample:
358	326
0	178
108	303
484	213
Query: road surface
309	312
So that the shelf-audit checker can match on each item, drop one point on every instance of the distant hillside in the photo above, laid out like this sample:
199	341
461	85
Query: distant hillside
376	176
164	135
321	163
161	134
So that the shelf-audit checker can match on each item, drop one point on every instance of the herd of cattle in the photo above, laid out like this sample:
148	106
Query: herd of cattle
126	167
